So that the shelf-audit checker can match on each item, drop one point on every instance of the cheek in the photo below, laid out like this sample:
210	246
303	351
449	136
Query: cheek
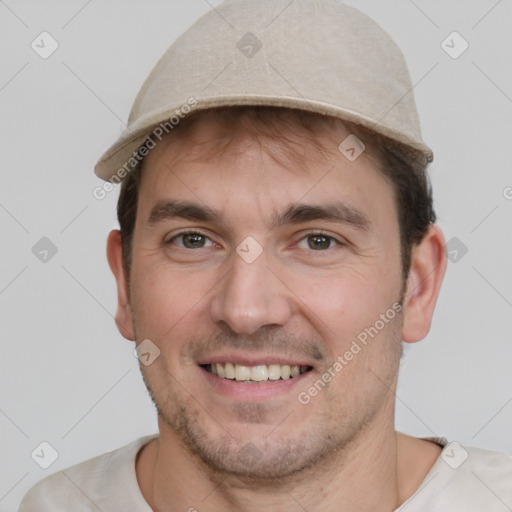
341	307
168	302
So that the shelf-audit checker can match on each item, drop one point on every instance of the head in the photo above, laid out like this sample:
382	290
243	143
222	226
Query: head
247	237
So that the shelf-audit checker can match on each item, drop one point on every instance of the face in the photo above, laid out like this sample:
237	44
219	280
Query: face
271	289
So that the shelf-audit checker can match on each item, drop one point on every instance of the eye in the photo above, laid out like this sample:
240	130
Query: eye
318	242
191	240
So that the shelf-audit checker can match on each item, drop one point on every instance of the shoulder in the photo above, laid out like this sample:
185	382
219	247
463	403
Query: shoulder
496	465
490	470
476	479
465	479
90	485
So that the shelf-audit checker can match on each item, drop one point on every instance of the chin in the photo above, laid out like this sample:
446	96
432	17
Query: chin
254	452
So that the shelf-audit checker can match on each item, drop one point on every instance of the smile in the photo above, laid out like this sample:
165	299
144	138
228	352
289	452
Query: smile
257	373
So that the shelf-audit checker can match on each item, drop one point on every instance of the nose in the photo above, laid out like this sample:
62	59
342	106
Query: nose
251	296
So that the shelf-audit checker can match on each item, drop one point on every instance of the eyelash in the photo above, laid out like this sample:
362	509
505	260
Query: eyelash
183	233
304	236
322	233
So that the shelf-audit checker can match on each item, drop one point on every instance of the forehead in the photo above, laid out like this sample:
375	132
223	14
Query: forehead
293	135
270	163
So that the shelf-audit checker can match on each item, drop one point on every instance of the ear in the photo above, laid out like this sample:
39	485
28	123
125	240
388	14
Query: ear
124	317
428	265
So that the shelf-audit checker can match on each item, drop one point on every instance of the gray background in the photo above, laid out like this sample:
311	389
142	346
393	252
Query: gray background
70	379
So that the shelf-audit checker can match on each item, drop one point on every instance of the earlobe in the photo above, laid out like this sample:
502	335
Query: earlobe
124	316
428	265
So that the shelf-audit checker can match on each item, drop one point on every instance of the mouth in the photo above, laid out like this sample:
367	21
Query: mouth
256	374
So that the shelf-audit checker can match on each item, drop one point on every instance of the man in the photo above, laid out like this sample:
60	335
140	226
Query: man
277	245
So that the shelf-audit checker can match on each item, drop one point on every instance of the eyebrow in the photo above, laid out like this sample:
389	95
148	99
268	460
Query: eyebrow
338	212
169	210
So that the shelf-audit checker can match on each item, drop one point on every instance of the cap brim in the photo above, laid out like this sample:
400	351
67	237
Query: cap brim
122	156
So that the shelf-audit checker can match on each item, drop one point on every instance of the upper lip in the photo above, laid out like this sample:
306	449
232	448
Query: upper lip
253	359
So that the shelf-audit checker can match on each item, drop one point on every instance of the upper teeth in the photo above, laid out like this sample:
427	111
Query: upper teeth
256	373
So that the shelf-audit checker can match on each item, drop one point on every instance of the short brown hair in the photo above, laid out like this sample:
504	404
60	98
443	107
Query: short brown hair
403	167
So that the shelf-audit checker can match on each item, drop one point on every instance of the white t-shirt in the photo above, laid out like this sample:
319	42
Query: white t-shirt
462	480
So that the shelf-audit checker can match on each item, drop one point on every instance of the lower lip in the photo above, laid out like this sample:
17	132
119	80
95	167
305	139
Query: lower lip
247	391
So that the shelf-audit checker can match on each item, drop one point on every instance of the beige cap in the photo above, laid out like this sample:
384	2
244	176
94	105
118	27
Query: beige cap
315	55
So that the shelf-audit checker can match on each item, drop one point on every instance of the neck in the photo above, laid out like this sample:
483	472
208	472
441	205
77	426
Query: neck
378	471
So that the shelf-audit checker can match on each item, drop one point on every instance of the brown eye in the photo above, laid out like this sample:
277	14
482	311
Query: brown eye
191	240
318	242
